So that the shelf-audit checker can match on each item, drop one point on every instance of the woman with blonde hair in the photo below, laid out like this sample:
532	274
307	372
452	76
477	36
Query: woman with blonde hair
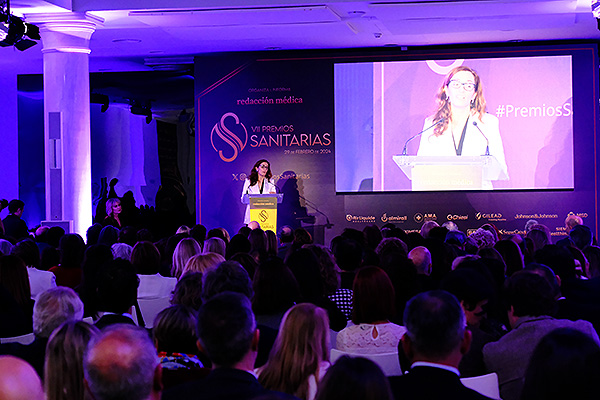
202	262
300	355
113	212
214	245
63	369
186	249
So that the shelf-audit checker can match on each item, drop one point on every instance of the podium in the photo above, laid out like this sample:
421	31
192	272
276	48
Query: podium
431	173
263	209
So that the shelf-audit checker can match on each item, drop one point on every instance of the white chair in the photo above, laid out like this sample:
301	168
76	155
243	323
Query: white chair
487	385
23	339
388	362
150	309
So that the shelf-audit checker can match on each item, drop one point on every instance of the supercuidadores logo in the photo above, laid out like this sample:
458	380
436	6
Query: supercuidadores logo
237	138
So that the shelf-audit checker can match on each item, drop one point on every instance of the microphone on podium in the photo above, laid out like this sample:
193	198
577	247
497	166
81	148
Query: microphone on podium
487	148
441	120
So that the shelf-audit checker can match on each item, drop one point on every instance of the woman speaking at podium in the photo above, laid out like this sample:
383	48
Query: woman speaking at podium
460	126
259	182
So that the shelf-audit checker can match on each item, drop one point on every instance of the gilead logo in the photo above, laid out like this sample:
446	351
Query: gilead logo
229	132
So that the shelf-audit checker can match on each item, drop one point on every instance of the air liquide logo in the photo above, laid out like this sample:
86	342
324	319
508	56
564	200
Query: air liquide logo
230	134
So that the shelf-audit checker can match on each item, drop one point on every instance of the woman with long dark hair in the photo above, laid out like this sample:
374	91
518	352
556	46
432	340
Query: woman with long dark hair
258	182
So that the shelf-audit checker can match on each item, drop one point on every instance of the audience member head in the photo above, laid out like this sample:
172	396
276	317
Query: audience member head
145	258
50	257
5	247
421	258
214	245
252	225
391	244
133	375
354	378
438	232
581	235
456	238
286	234
529	224
564	364
229	276
121	250
14	278
305	266
271	242
528	294
275	288
18	380
472	290
348	254
547	273
71	248
185	250
109	235
54	307
373	296
247	261
330	272
435	324
559	259
540	235
188	291
27	251
572	221
128	235
302	237
512	256
302	344
183	229
227	331
258	241
16	207
483	238
93	233
450	225
198	232
218	233
54	235
592	253
426	227
202	262
372	236
63	367
110	206
174	330
238	244
117	287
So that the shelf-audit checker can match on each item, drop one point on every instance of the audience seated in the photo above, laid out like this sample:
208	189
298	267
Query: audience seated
39	280
15	297
186	249
373	300
238	244
18	380
227	334
63	368
300	356
188	291
145	258
52	308
356	379
435	341
117	293
121	250
68	272
215	245
531	302
15	228
565	364
121	363
174	334
94	259
202	262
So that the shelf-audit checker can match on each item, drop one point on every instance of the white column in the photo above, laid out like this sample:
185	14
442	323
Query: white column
68	178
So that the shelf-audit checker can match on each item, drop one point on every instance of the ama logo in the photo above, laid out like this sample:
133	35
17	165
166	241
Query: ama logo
229	132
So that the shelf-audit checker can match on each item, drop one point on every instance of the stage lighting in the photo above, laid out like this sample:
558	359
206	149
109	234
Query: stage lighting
14	31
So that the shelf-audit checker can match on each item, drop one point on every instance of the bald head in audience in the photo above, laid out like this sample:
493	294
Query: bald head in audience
421	257
572	221
122	364
18	380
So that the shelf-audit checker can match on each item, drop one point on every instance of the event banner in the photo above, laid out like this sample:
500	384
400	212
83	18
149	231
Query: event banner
331	124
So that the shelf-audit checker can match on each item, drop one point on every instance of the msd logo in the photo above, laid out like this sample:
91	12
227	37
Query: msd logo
229	135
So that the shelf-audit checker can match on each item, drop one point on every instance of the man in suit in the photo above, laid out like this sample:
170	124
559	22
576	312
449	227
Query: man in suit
227	334
531	300
434	342
14	226
117	293
122	364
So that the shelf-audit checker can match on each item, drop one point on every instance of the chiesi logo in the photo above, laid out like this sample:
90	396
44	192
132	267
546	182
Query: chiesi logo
237	141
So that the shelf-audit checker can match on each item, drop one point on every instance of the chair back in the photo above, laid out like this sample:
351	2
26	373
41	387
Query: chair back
23	339
487	385
150	309
388	362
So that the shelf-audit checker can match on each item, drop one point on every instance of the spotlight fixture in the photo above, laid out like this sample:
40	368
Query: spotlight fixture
15	30
138	109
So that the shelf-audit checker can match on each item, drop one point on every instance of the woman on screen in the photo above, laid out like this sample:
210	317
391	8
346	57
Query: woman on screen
259	182
460	125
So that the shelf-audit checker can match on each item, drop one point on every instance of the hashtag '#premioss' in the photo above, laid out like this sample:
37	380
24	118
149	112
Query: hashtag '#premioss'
500	111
